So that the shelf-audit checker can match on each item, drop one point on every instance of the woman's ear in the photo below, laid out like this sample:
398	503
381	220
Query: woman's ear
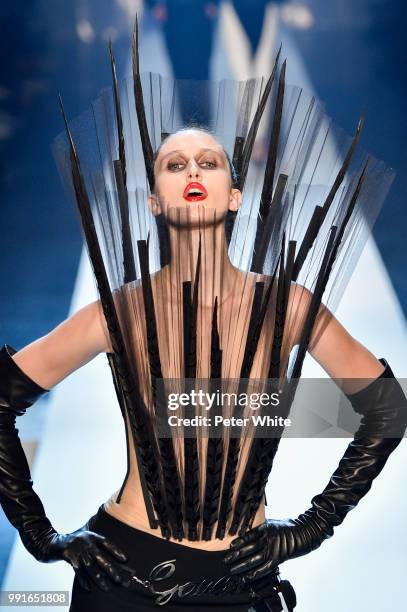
235	199
154	205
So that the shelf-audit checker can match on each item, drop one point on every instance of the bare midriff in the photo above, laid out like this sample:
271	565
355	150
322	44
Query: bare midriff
132	512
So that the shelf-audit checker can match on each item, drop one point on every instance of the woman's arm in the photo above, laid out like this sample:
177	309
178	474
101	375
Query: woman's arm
48	360
383	405
72	344
345	359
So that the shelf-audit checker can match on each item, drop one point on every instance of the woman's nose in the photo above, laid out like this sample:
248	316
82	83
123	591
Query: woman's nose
193	170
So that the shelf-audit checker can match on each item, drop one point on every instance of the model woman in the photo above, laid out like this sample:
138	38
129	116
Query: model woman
187	528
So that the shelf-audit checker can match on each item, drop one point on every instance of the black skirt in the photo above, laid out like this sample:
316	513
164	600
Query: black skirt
175	577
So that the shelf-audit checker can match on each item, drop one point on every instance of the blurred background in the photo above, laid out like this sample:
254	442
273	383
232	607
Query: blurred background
351	54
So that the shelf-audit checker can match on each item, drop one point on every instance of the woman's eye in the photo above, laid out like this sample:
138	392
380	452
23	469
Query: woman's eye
209	163
174	166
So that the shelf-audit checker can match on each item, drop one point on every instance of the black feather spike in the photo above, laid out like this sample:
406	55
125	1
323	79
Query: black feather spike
283	290
216	351
141	430
149	311
292	246
214	454
168	460
141	114
172	487
228	485
274	369
121	181
214	459
191	487
308	240
191	483
264	230
129	265
262	458
112	359
118	111
331	251
189	343
190	310
244	488
268	184
320	213
237	158
191	462
196	281
253	333
241	161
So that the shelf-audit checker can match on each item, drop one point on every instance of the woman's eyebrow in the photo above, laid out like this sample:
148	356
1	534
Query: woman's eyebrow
170	153
204	150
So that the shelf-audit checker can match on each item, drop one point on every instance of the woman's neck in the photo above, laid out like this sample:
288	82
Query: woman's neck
203	249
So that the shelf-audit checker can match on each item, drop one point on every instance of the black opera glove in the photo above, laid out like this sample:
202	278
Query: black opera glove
384	408
90	554
262	549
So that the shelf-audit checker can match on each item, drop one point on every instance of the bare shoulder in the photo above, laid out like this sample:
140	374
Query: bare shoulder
67	347
299	296
298	306
101	331
89	323
341	355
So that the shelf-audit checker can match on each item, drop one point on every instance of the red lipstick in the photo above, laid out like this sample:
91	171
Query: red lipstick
194	192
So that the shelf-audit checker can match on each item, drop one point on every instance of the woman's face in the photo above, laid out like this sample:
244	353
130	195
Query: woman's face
192	171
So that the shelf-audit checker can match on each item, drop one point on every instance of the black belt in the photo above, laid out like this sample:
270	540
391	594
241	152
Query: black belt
212	586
